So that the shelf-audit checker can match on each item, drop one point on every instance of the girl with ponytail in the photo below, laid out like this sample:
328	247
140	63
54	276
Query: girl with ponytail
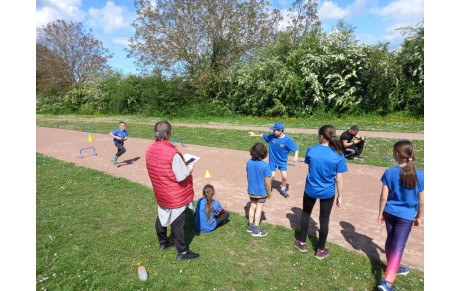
326	163
401	208
209	213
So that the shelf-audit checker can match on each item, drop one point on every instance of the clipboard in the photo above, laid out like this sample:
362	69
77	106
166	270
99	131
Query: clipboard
190	159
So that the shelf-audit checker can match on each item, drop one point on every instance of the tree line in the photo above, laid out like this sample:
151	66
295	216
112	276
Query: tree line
224	57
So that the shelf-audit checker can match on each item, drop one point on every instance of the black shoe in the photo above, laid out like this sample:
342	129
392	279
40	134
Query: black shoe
166	245
187	255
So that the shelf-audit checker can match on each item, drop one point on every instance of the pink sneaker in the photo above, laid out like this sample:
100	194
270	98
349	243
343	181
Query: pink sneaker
301	246
321	254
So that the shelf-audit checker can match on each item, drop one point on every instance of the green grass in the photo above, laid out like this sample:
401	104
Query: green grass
375	149
393	122
93	229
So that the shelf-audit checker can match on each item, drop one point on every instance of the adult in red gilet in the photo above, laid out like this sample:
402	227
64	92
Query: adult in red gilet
173	187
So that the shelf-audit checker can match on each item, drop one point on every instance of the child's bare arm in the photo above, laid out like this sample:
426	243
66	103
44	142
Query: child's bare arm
383	202
419	216
255	135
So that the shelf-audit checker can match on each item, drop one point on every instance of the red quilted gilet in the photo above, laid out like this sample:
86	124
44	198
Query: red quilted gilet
168	192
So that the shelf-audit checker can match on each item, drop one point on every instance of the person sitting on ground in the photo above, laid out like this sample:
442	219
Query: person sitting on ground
209	212
259	186
352	143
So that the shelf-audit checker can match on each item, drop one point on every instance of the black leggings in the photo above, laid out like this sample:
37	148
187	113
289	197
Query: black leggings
325	207
221	219
121	149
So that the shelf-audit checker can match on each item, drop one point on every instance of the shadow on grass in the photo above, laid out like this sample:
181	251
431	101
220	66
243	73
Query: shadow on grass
294	220
190	230
364	243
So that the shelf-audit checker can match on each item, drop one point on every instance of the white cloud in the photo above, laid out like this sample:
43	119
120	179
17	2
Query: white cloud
58	9
286	19
330	10
404	8
121	40
110	17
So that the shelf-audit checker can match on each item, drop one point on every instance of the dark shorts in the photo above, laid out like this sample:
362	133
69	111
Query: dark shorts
258	200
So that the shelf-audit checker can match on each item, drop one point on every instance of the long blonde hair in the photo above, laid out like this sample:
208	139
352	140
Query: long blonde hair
208	193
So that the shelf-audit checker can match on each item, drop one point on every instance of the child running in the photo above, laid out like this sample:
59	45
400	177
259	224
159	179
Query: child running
401	208
120	135
279	145
209	213
259	186
326	163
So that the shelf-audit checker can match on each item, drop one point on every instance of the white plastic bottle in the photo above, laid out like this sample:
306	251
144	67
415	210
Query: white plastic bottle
142	273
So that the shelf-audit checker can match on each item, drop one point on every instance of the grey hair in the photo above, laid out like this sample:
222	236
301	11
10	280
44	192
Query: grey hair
355	128
162	130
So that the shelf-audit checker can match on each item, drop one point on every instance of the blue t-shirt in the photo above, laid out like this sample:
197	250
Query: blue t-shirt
120	133
201	219
257	171
402	202
279	149
324	164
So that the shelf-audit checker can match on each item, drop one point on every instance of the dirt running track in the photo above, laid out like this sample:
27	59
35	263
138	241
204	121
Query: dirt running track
353	226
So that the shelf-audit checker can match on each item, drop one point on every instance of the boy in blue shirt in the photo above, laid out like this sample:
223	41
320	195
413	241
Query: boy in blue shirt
279	145
259	184
120	135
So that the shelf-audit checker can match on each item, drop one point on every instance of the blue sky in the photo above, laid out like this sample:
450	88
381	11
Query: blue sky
111	20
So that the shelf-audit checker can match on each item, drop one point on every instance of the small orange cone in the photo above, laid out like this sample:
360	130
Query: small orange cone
207	174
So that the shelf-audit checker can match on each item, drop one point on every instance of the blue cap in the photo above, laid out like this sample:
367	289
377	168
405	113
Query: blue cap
277	126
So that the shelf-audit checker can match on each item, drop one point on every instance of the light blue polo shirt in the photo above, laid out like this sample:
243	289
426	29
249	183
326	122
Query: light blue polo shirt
201	219
279	149
402	202
120	133
324	164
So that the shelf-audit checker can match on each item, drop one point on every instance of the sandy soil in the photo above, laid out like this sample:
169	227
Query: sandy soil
353	226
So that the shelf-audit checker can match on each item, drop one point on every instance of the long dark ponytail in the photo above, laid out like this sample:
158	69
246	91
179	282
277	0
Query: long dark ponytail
208	193
403	150
328	133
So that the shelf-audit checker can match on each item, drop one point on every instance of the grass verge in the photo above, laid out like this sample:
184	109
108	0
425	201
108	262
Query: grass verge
93	230
393	122
376	150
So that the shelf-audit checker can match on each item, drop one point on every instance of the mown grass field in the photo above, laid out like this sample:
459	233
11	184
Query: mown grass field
393	122
93	230
377	150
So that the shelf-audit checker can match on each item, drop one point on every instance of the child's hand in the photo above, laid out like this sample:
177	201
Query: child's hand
416	222
251	133
339	201
381	220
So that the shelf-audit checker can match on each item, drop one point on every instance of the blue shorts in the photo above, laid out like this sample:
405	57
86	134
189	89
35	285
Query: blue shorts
282	168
